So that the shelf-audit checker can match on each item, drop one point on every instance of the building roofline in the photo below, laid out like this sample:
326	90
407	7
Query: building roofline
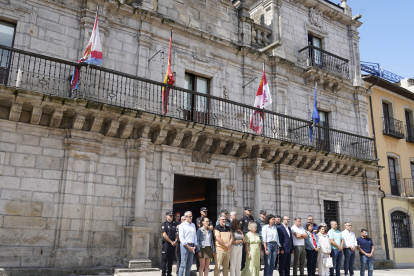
389	85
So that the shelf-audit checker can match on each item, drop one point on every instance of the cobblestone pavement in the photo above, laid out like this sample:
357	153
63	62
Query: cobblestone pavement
382	272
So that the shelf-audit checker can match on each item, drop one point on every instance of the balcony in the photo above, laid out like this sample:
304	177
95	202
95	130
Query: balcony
318	58
393	127
410	133
25	71
407	190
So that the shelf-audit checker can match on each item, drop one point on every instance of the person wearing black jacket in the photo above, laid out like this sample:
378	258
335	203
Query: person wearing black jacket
169	241
286	246
244	223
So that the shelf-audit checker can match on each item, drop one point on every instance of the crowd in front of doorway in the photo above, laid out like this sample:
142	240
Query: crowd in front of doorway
237	245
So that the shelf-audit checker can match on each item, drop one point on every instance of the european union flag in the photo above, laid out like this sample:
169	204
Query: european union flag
315	115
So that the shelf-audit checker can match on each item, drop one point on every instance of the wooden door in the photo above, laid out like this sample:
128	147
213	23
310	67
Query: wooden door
196	107
393	177
7	32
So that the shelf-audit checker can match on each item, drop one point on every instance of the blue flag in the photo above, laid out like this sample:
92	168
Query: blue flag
315	115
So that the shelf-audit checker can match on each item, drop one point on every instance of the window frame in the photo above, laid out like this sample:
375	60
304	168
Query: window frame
396	233
193	114
396	188
4	76
337	215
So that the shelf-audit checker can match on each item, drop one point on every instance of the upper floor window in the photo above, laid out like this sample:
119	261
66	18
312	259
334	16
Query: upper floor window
315	54
331	212
7	31
409	125
400	223
393	176
196	107
322	135
391	126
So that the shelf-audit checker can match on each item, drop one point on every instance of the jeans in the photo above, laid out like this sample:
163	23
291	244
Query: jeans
270	259
365	261
311	258
299	260
349	261
337	260
186	261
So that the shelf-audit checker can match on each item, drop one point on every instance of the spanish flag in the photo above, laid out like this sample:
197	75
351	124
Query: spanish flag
169	79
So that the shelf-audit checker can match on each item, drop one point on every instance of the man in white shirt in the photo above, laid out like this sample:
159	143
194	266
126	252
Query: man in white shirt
188	239
299	236
350	244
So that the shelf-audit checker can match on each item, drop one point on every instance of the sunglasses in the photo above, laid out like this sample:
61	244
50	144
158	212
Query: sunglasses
188	216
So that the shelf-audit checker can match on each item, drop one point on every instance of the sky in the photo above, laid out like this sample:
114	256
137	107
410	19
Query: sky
387	35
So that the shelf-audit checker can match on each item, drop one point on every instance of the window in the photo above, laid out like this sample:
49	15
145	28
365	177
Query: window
409	126
322	135
331	212
7	31
315	54
196	107
393	176
400	224
412	170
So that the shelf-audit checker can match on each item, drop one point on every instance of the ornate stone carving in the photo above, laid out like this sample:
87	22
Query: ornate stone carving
96	123
78	121
175	137
277	157
36	115
225	93
159	135
112	128
190	141
56	118
268	154
295	160
15	111
125	129
143	131
316	17
286	158
204	143
218	146
231	148
257	151
304	163
313	164
244	151
201	157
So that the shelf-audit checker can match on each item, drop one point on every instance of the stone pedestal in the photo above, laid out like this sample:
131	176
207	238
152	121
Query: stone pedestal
137	241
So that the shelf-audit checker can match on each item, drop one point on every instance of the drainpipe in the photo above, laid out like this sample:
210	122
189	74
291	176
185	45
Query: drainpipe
387	251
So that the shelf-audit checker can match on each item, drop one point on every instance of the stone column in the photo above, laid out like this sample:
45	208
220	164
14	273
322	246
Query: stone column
138	234
257	167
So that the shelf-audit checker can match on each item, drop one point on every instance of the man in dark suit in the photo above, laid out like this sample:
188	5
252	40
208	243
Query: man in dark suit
286	246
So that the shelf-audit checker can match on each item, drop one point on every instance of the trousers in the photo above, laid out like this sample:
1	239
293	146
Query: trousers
284	264
299	260
349	261
235	259
168	254
222	258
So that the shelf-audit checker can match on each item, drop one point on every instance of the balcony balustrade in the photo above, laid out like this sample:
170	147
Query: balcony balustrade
312	56
393	127
51	76
407	190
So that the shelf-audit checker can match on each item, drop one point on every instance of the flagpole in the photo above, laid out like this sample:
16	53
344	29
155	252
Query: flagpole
264	117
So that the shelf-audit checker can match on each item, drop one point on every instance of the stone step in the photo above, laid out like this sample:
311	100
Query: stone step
134	271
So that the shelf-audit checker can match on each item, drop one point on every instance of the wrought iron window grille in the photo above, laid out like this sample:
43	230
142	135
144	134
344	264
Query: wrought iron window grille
400	224
331	212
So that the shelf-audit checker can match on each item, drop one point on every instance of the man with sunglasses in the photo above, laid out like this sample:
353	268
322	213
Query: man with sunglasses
366	253
188	239
350	244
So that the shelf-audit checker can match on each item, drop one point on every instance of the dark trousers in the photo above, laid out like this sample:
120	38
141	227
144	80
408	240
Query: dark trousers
277	261
243	262
337	260
284	264
349	261
168	254
311	258
178	256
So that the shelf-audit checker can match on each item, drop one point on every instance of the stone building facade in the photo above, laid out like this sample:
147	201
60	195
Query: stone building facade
86	181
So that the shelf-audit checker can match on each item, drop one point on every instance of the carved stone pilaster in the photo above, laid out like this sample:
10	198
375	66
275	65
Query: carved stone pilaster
244	151
204	143
218	146
15	111
295	160
125	129
36	115
175	137
190	141
78	121
231	148
96	123
112	127
159	135
56	118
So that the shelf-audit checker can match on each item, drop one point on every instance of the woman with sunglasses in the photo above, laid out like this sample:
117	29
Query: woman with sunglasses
205	246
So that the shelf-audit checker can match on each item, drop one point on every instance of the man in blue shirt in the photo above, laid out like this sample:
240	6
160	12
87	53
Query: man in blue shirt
366	252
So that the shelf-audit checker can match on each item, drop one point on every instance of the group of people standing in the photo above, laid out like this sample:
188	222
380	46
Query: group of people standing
238	245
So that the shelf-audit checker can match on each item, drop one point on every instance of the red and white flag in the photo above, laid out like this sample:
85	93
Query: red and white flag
263	99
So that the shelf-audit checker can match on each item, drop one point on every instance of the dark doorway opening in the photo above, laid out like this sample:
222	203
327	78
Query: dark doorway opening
192	193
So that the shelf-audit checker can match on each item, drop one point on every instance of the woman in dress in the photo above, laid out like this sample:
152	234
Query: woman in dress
253	252
236	248
312	247
324	251
205	246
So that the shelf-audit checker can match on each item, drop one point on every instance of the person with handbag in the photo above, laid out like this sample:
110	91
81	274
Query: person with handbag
324	253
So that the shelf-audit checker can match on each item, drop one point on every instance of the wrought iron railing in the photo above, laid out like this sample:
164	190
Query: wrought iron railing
376	70
25	70
410	133
408	188
312	56
393	127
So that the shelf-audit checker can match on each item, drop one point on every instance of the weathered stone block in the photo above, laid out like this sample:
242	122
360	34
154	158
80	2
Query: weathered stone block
43	237
45	162
10	236
40	185
19	208
20	222
9	261
22	160
103	213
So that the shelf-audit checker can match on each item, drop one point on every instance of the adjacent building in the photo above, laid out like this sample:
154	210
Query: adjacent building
87	175
392	123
